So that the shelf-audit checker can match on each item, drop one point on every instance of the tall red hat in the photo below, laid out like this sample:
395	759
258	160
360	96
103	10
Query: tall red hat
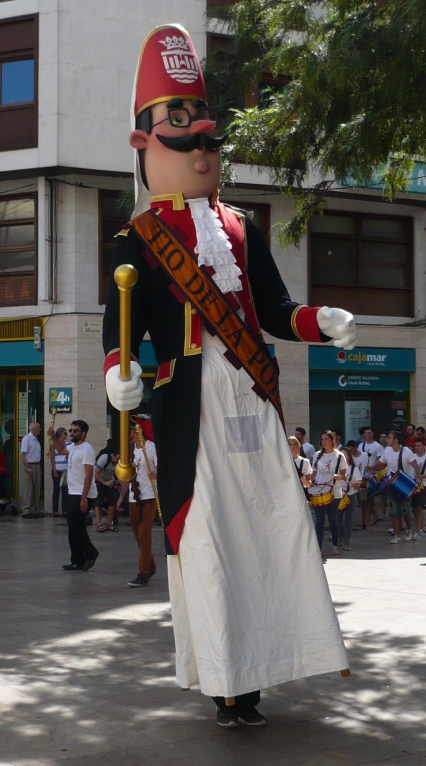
168	68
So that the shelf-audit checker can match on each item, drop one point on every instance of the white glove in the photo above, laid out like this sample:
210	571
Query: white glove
339	325
124	395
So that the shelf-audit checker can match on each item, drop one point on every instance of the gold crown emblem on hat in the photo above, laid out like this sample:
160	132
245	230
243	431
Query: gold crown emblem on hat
173	43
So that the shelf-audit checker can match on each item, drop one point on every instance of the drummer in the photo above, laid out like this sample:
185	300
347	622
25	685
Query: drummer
391	458
329	470
418	500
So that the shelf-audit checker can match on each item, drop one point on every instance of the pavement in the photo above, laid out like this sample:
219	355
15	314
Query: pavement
87	664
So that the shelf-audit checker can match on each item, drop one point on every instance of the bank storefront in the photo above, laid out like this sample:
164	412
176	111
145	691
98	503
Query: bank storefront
349	389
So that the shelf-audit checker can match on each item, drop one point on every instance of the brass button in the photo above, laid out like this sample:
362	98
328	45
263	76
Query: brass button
193	345
193	311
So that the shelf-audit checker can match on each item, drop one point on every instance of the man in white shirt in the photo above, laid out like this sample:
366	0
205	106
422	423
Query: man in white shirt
81	494
31	459
396	456
142	507
374	451
308	449
418	500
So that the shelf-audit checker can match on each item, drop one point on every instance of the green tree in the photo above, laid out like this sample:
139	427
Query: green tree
355	103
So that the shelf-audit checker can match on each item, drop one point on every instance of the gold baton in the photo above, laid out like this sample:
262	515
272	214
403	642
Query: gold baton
125	277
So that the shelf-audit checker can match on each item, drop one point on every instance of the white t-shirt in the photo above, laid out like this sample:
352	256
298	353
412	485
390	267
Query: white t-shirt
374	452
303	464
79	456
32	448
309	451
326	468
420	461
361	462
391	458
145	487
354	476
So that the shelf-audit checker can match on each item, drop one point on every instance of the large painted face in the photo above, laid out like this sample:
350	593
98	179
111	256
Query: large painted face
194	173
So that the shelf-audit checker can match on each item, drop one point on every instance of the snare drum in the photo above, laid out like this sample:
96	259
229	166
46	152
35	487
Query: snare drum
402	487
373	489
324	498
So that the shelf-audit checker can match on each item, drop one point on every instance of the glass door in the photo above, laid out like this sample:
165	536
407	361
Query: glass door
8	428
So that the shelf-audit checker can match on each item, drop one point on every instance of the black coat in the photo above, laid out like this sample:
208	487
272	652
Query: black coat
176	405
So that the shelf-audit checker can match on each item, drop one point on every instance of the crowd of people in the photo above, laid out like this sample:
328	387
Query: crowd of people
334	478
337	479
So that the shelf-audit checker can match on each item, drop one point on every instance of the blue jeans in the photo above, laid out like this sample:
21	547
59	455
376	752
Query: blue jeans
56	492
345	520
331	510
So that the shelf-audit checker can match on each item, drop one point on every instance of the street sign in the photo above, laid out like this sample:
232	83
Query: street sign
60	399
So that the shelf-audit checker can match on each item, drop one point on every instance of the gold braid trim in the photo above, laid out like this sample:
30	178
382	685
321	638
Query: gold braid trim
293	321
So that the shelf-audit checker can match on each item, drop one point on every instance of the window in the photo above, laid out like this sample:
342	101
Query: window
259	214
363	263
18	83
112	214
221	49
212	4
18	278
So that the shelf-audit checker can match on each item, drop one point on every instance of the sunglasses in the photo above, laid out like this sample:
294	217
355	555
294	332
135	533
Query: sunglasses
74	430
181	118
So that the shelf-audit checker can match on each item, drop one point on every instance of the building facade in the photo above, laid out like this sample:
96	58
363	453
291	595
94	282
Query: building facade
66	74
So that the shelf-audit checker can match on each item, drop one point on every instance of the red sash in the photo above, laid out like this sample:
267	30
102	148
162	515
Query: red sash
204	295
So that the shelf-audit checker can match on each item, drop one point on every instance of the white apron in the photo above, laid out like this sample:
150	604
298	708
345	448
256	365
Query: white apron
250	602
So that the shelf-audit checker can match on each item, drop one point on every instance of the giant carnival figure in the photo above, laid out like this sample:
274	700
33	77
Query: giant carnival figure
250	602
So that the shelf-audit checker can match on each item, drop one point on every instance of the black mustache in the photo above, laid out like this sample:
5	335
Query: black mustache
193	141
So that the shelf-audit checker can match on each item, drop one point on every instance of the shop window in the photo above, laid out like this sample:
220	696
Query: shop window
362	262
18	83
18	277
259	214
112	215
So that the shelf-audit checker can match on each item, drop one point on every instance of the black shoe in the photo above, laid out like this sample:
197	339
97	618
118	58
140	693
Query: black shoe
252	718
227	716
152	573
139	582
89	563
40	515
72	567
29	516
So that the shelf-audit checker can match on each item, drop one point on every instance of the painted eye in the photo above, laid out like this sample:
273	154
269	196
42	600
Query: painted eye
178	119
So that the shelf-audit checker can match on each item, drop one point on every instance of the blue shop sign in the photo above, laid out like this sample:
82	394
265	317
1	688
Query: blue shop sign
21	353
359	382
416	185
383	359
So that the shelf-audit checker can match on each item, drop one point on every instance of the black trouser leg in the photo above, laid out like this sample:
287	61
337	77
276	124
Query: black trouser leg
81	545
64	498
243	702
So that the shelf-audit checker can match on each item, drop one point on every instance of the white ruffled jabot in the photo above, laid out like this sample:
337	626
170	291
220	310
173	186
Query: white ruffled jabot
213	246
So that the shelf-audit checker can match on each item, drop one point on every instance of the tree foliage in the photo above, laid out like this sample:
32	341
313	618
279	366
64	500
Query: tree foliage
355	103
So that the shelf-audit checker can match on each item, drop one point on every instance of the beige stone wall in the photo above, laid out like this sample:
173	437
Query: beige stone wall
74	359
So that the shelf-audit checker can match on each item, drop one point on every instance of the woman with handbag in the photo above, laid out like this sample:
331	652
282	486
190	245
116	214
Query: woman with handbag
348	503
302	465
329	469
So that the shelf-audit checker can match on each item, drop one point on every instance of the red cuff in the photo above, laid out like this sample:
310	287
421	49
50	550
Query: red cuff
113	358
304	324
